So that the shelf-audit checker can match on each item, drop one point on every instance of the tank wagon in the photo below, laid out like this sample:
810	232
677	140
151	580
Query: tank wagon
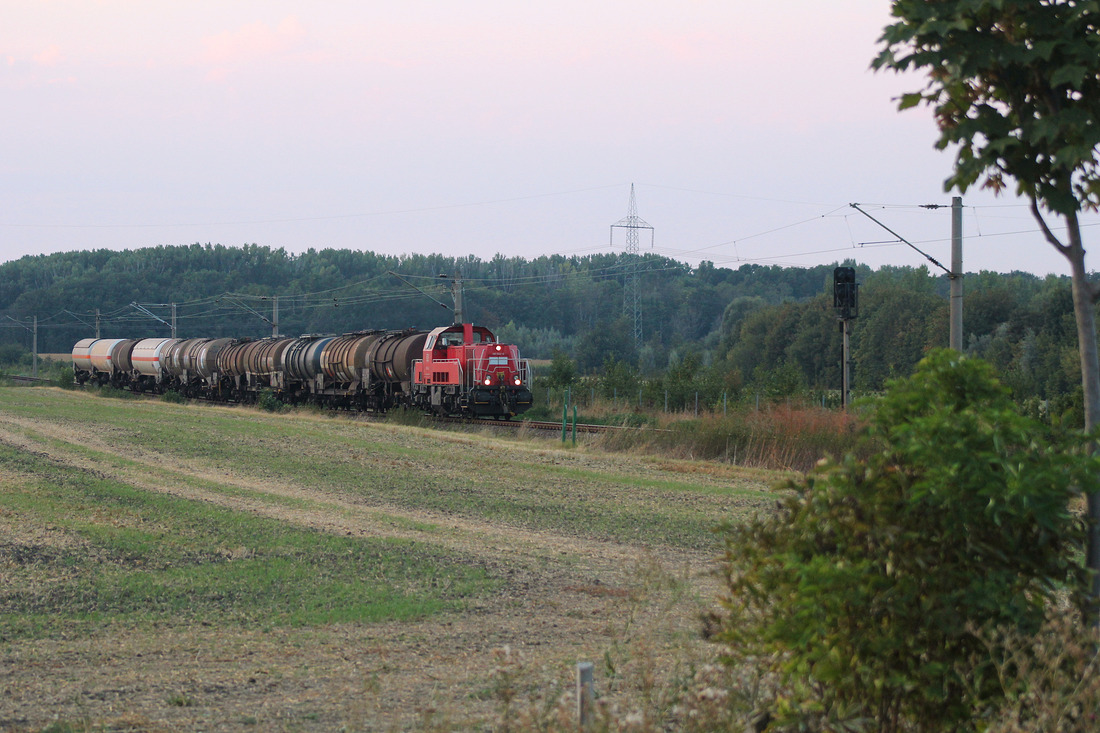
455	370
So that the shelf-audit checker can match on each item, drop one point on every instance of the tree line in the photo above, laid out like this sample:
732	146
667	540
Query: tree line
756	328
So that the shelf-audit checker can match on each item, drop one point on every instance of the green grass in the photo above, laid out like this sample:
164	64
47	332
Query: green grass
186	528
429	471
144	558
140	557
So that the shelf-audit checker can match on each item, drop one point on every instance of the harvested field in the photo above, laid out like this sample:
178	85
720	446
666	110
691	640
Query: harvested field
179	567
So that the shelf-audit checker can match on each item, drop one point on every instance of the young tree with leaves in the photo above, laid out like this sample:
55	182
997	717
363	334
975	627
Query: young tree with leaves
1015	86
863	592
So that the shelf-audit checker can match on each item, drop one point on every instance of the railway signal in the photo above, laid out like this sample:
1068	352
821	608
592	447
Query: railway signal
846	303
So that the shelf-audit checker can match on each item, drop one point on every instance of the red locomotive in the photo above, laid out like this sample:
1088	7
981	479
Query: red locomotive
466	371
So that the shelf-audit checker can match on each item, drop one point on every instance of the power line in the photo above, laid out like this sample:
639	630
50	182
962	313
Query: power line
927	256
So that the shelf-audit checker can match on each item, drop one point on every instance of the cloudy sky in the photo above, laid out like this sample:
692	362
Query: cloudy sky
481	127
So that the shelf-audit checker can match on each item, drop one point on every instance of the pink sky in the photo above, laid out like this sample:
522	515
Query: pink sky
475	128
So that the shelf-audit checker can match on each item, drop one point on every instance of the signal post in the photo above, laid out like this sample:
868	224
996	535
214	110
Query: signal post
846	303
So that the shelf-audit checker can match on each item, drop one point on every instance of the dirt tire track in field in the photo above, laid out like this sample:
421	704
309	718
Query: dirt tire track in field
566	598
331	513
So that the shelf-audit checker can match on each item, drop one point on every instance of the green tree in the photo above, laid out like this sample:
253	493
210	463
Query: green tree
764	336
863	592
782	380
730	329
685	379
14	355
606	340
618	380
816	348
563	370
1015	85
896	328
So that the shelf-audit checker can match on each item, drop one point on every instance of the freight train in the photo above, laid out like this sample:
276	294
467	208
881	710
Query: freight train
453	370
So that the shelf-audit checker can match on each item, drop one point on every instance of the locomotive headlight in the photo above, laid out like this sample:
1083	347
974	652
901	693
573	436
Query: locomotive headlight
498	347
517	381
488	381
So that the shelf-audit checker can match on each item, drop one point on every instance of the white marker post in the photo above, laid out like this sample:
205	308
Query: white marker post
585	693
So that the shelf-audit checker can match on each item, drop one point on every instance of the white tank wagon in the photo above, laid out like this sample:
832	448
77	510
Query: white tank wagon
148	361
103	361
82	358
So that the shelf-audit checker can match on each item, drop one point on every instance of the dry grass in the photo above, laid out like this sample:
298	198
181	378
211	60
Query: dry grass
1051	680
780	437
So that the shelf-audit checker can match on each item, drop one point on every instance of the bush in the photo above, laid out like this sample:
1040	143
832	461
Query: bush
864	591
270	402
14	355
540	413
1049	678
64	378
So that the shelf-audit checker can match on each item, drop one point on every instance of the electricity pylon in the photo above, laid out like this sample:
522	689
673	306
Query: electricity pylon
632	223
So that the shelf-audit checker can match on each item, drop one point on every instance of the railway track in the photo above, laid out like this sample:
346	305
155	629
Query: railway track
19	378
556	426
540	425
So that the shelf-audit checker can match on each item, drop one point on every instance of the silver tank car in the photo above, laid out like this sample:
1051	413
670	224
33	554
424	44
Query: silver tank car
302	359
390	358
206	356
345	357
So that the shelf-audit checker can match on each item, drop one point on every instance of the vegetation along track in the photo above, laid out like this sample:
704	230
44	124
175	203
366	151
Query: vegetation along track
170	567
462	421
540	425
